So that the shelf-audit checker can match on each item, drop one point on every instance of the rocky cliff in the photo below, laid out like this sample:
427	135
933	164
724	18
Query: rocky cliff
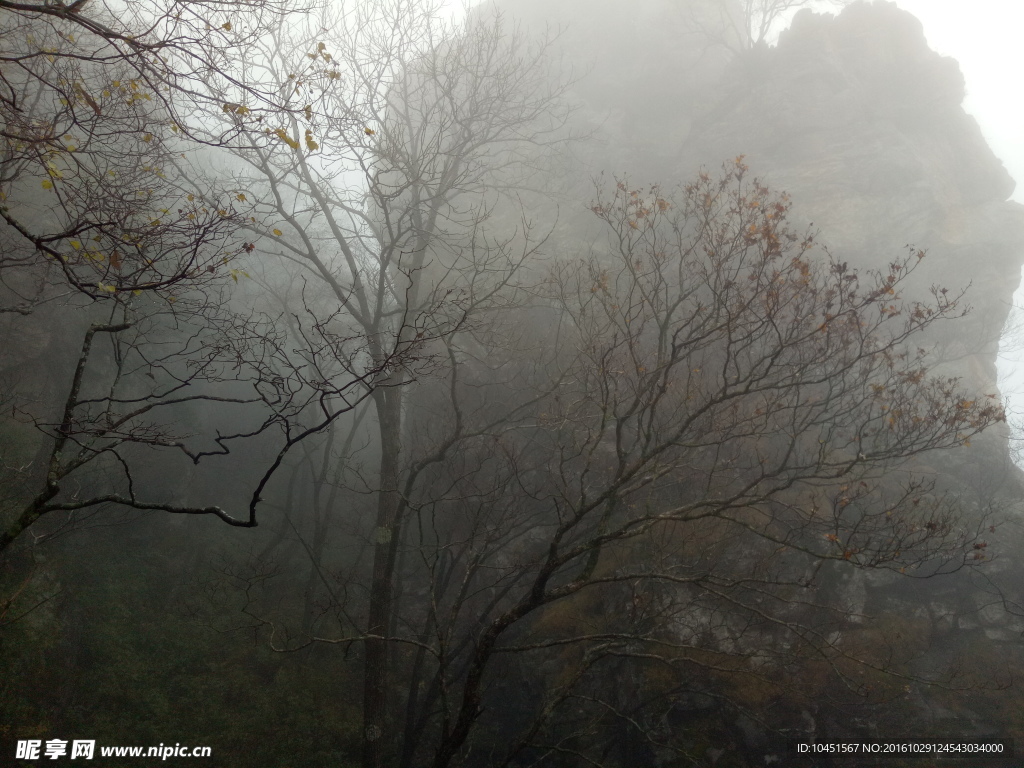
862	123
851	113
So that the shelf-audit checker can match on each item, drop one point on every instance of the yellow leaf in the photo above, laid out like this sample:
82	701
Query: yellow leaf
190	198
283	136
47	184
240	197
76	245
369	131
226	26
147	137
278	232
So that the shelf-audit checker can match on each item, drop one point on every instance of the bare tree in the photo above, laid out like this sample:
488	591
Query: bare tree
143	370
382	182
719	420
94	101
743	25
101	109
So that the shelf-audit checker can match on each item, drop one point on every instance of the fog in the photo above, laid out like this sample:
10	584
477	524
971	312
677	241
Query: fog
398	383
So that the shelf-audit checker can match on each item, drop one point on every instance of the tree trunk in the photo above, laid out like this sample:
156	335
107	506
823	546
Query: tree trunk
385	538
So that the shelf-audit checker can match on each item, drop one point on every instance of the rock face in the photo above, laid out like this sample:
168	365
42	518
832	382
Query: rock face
852	114
862	123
